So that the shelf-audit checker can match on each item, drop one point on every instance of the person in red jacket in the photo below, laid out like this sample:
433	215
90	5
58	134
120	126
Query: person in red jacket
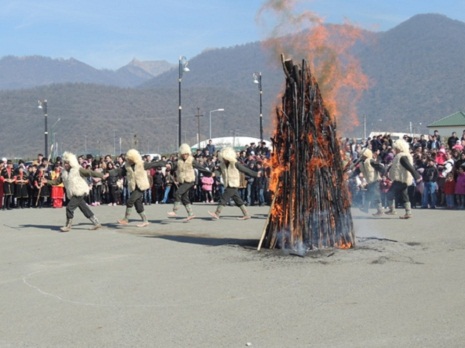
58	191
449	191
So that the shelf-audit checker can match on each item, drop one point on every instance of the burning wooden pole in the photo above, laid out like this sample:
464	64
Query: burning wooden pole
311	206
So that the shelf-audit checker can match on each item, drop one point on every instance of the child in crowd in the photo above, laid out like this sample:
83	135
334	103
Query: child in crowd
384	186
460	188
207	186
449	191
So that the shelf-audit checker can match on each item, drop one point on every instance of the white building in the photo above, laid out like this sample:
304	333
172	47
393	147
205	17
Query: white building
236	142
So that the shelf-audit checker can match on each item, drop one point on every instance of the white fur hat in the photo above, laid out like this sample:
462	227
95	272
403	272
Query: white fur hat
401	145
229	154
134	156
185	148
71	159
367	153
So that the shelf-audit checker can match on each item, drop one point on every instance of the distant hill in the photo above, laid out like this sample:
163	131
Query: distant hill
152	68
415	70
102	119
230	67
34	71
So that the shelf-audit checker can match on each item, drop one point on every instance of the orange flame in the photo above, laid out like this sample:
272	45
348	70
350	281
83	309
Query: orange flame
344	245
325	47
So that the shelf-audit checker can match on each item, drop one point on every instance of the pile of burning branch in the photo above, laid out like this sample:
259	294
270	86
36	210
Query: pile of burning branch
311	205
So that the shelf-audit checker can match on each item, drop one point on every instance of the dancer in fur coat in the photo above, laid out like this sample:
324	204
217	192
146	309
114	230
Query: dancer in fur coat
135	171
372	171
230	169
185	177
402	173
73	177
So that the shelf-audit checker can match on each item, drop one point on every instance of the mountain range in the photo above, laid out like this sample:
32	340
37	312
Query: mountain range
33	71
414	71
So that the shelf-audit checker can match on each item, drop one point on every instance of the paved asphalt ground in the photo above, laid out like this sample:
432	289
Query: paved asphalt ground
203	284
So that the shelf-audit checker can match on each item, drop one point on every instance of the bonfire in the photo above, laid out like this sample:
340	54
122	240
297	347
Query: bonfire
311	204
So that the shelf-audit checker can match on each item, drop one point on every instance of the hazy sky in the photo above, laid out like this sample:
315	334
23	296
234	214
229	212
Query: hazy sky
109	33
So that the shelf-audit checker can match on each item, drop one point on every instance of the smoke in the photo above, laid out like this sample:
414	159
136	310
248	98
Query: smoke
302	34
284	243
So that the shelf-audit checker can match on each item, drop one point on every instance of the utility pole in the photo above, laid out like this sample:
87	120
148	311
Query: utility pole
198	127
136	141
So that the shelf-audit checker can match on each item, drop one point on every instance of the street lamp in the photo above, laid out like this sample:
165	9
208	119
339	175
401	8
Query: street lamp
257	78
210	134
43	105
182	67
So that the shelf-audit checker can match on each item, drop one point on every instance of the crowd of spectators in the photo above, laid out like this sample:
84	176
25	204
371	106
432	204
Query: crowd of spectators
26	191
440	161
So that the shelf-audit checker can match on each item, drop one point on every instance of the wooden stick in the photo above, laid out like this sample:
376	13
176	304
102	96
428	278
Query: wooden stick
266	224
38	194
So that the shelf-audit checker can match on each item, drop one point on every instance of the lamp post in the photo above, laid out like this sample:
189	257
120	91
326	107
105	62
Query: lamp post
257	78
182	67
43	106
210	133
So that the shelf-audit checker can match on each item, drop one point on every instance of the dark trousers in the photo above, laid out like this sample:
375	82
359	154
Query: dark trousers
136	200
8	202
182	193
113	196
231	192
158	193
97	193
398	189
78	202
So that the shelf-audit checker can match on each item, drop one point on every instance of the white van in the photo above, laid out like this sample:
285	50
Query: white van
153	156
394	135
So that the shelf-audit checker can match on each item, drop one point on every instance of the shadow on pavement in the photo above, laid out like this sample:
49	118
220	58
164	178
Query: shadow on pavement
209	241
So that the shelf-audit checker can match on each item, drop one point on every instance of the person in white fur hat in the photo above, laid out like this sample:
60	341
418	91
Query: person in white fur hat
135	171
372	171
230	168
185	177
76	189
402	173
